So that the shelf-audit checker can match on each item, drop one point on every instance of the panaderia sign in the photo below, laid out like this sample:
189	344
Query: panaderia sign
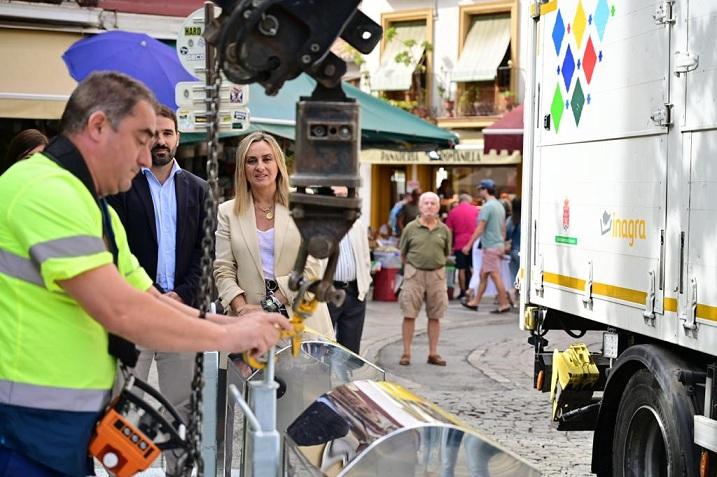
455	157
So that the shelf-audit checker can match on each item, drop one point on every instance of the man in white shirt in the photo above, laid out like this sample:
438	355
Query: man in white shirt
353	275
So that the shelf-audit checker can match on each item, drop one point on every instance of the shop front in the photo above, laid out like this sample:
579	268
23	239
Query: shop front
392	173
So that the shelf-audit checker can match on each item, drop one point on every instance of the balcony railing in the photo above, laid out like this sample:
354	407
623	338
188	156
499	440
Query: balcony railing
479	101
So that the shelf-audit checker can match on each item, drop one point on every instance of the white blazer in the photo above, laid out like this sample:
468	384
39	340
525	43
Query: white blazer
238	267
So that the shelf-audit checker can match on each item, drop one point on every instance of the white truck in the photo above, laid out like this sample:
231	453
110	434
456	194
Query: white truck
619	226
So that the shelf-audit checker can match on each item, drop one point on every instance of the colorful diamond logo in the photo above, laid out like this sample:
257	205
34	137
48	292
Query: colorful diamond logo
556	109
578	102
589	60
602	13
568	68
579	23
558	32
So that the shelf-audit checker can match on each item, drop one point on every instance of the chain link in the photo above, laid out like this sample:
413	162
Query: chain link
194	426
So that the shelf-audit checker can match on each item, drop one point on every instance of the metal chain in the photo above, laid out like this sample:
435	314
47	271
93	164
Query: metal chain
194	427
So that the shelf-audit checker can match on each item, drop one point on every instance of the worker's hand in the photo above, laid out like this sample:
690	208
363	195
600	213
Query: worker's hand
174	296
255	332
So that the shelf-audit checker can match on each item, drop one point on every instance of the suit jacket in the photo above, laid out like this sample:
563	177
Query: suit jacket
238	268
136	211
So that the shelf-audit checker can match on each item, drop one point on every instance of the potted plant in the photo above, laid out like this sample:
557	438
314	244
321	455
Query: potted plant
507	100
465	102
448	102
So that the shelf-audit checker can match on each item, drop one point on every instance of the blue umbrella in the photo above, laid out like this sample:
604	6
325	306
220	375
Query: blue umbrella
135	54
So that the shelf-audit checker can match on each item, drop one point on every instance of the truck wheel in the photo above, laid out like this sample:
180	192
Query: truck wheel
646	440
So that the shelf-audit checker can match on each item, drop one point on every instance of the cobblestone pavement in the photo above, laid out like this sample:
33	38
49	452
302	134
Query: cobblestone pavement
487	382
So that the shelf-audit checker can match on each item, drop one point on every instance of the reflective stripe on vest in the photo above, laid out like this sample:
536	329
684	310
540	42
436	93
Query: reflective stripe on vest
52	398
67	247
28	269
19	267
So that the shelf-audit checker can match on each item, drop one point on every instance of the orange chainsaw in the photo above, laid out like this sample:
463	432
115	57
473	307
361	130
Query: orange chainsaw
132	433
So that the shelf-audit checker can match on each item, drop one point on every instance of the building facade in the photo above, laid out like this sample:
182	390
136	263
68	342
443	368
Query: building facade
35	84
456	63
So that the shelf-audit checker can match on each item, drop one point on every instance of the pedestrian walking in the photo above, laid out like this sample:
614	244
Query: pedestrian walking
163	214
491	230
409	211
512	228
462	221
393	214
73	298
425	246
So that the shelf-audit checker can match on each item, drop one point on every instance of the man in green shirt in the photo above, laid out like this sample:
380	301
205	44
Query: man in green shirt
491	230
425	246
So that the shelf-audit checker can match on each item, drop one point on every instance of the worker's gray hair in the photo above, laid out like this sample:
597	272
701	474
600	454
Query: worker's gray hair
465	198
115	94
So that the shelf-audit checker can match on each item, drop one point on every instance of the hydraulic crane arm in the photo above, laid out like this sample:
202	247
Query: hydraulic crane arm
272	41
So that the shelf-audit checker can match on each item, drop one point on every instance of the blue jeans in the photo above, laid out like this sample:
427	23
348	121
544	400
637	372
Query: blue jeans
13	464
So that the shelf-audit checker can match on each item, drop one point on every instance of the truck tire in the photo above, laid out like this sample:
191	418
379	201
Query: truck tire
646	440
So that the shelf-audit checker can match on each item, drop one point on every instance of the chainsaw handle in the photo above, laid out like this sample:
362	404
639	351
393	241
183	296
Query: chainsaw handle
175	439
159	397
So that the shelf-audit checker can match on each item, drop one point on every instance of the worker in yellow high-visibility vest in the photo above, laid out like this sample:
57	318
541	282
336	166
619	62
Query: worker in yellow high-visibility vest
68	282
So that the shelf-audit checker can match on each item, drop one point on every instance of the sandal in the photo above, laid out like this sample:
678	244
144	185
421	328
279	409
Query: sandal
405	360
436	359
498	311
464	302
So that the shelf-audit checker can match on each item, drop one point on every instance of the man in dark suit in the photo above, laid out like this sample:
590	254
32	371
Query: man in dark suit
163	214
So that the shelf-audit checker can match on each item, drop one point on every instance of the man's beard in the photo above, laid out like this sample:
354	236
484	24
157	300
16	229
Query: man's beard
162	159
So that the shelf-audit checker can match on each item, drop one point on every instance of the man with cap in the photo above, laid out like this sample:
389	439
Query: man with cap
491	230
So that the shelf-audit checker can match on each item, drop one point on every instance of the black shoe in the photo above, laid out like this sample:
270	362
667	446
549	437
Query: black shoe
465	303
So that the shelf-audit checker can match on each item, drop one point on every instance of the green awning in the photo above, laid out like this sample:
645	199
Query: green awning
382	125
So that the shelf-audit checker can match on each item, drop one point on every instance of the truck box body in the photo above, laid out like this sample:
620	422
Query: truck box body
619	223
620	199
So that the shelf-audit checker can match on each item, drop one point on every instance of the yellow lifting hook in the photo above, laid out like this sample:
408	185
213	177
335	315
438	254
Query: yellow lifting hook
302	310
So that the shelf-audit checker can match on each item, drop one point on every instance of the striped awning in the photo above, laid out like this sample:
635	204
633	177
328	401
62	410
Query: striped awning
35	83
395	75
484	49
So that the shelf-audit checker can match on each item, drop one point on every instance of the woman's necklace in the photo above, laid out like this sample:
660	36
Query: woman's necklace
268	213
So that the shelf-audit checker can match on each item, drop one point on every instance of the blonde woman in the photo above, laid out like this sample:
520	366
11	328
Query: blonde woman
257	241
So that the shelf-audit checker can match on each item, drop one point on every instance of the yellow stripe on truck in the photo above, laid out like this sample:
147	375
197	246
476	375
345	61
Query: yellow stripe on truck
705	312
